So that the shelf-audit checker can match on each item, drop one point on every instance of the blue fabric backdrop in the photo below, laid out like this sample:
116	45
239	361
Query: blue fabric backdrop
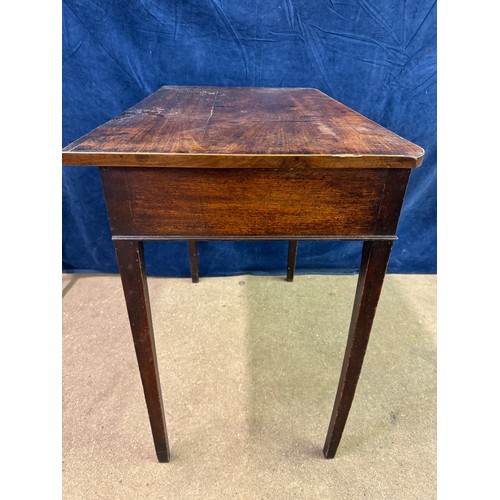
378	57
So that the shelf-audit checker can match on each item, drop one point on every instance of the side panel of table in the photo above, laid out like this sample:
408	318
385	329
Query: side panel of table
179	203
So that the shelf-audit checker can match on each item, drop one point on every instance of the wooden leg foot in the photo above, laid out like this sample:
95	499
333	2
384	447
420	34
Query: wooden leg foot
371	277
292	258
193	261
130	256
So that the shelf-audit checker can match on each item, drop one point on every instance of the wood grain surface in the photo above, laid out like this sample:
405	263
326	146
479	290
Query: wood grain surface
242	127
248	163
178	203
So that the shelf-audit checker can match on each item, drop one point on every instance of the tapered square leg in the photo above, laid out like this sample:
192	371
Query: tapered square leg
371	277
130	257
193	261
292	258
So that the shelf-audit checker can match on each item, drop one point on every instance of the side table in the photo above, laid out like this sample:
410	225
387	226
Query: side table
242	163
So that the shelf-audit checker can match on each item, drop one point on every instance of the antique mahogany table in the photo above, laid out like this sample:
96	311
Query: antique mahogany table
241	163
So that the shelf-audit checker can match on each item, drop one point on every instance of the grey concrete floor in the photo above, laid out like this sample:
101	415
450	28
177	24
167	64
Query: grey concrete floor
249	367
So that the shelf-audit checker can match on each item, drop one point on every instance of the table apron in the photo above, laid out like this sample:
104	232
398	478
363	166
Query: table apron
180	203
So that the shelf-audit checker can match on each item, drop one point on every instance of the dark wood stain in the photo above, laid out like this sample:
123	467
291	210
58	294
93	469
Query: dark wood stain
193	261
374	260
248	163
234	202
242	127
292	258
130	256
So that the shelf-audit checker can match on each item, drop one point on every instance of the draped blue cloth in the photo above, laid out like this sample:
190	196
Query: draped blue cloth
377	57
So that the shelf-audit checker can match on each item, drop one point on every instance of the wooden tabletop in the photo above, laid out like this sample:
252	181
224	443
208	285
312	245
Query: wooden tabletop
242	127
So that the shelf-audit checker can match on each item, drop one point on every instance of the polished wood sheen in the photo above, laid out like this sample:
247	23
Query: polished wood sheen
242	127
229	163
185	203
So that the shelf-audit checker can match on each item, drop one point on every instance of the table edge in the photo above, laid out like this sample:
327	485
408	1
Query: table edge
203	160
267	237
